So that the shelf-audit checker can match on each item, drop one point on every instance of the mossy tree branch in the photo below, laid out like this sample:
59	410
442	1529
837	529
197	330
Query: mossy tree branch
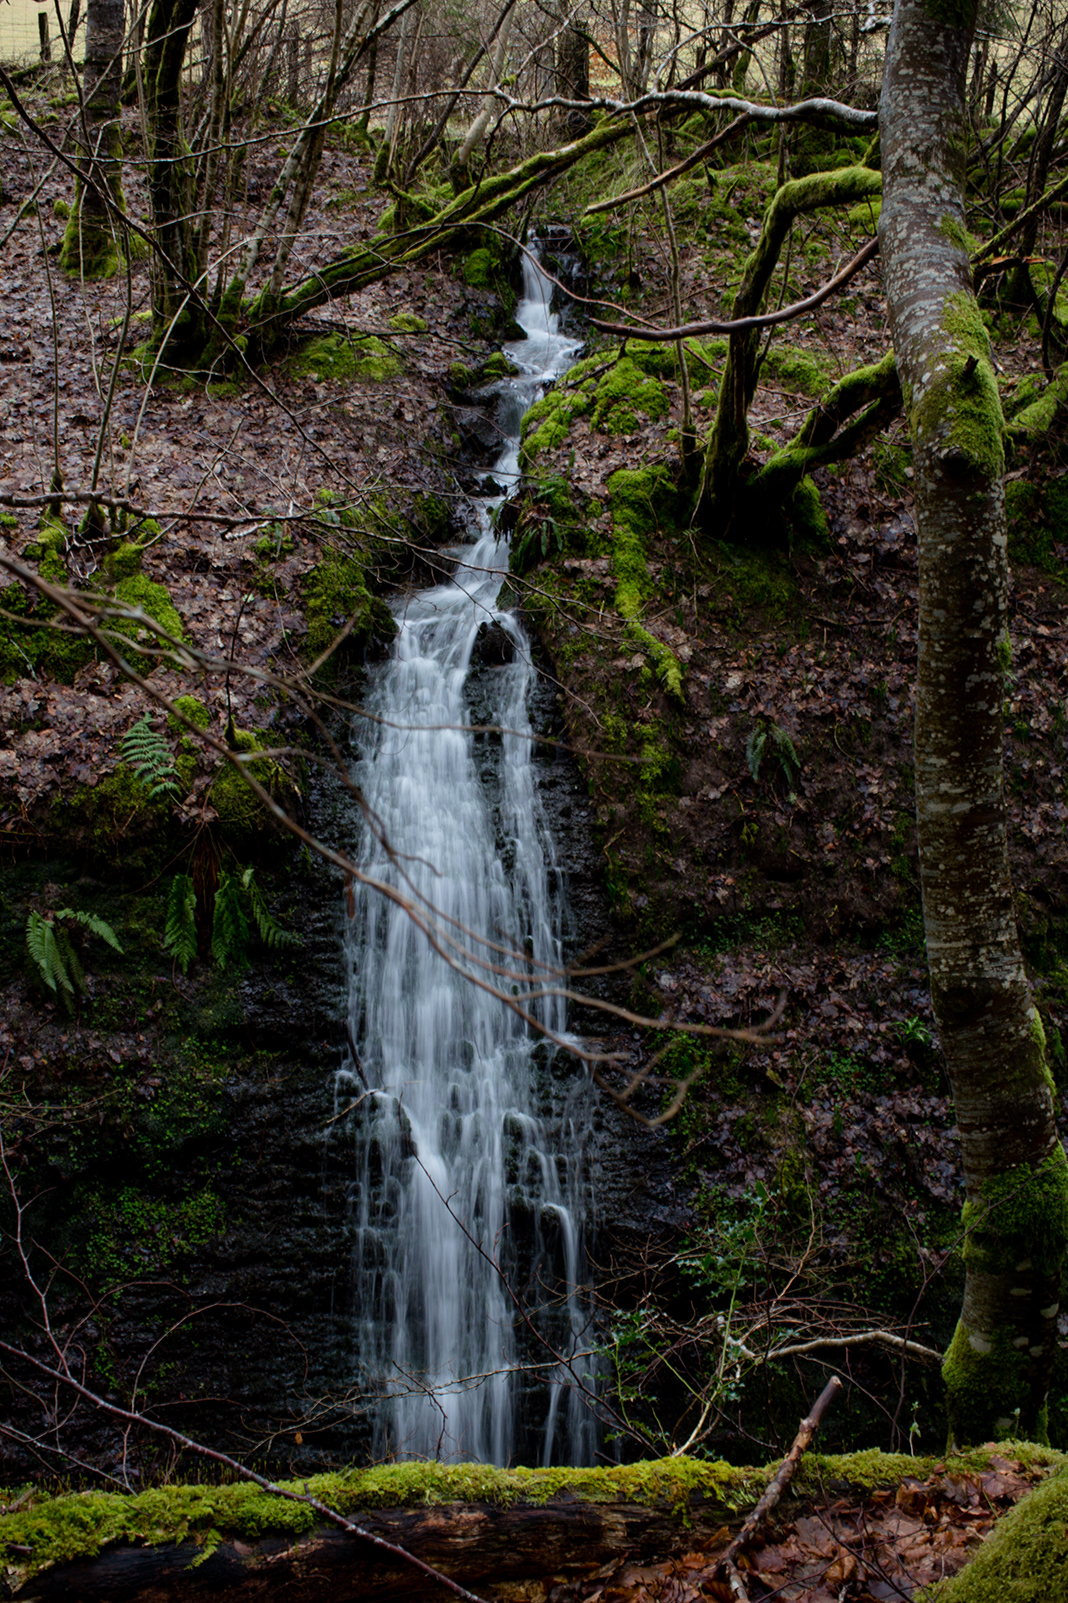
729	438
872	392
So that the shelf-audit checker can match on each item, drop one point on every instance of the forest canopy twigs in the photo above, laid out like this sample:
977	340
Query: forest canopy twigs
742	325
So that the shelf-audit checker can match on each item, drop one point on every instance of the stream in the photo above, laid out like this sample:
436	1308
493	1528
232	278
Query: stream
470	1198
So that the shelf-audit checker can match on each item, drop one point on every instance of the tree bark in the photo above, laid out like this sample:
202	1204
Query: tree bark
90	242
998	1365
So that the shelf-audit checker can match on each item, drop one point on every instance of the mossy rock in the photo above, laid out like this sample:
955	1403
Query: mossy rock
114	822
335	592
190	708
337	359
28	645
617	401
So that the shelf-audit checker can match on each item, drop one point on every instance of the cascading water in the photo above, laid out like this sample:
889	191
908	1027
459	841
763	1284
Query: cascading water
469	1147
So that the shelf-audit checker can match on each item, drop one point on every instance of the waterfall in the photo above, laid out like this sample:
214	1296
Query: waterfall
468	1128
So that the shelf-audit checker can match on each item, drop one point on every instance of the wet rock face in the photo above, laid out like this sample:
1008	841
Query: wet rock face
493	646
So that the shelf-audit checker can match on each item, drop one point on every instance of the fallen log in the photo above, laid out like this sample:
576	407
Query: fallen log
513	1553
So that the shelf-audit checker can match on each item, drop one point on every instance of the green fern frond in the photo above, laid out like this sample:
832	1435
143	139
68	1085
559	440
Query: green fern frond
229	928
38	934
71	975
148	754
98	926
754	750
53	955
180	932
272	934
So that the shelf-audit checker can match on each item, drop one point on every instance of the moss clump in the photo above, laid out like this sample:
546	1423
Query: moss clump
192	709
408	323
243	818
480	269
639	499
336	592
807	514
796	370
139	591
114	821
334	358
1025	1557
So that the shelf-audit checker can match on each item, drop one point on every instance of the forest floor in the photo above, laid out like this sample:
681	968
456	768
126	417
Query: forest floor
817	1172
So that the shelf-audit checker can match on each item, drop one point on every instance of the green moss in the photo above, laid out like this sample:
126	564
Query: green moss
243	818
1023	1214
336	592
190	708
806	512
341	360
151	598
478	269
1036	408
866	215
799	371
58	1530
114	820
497	366
125	560
960	410
1025	1557
79	1525
61	209
134	1233
408	323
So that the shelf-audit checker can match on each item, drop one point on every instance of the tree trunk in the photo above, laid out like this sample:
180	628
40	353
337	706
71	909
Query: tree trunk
998	1366
90	242
176	312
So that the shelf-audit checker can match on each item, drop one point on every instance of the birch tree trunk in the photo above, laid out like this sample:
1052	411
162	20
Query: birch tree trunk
998	1365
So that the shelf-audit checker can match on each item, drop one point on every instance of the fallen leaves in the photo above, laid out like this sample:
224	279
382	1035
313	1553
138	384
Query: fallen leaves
881	1548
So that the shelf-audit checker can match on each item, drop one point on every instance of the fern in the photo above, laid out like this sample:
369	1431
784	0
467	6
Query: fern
52	952
781	745
272	934
148	754
180	933
96	925
229	927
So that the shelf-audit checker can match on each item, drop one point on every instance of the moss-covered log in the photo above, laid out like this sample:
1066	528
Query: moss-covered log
503	1533
268	316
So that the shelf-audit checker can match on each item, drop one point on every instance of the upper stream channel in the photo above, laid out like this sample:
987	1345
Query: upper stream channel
471	1192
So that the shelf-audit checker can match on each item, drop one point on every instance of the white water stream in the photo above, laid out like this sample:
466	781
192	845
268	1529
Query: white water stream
468	1168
